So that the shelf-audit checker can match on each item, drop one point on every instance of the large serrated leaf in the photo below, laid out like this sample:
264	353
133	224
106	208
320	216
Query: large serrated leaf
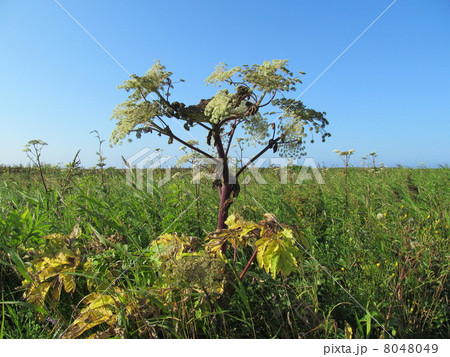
277	253
275	258
287	262
261	245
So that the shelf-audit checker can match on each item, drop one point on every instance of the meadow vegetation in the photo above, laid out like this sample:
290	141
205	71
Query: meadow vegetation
108	253
83	254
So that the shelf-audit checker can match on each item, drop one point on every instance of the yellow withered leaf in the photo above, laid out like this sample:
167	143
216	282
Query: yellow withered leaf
88	320
169	245
242	228
68	279
52	262
48	272
36	295
97	300
100	309
277	253
262	244
66	256
233	222
55	236
348	331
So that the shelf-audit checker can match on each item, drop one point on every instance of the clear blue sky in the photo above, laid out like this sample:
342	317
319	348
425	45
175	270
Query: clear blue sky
390	92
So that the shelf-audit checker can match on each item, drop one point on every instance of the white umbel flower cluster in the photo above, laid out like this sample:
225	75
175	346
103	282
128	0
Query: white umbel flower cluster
220	106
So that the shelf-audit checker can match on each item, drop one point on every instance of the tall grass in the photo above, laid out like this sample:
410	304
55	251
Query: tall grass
376	262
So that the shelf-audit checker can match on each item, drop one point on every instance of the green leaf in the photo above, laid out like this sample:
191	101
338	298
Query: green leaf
18	263
275	258
277	253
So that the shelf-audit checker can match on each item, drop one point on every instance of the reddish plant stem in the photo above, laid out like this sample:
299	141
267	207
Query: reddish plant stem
254	158
235	251
225	191
192	147
230	137
225	195
248	264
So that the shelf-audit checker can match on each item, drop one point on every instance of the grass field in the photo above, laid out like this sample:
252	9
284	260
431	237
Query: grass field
77	258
